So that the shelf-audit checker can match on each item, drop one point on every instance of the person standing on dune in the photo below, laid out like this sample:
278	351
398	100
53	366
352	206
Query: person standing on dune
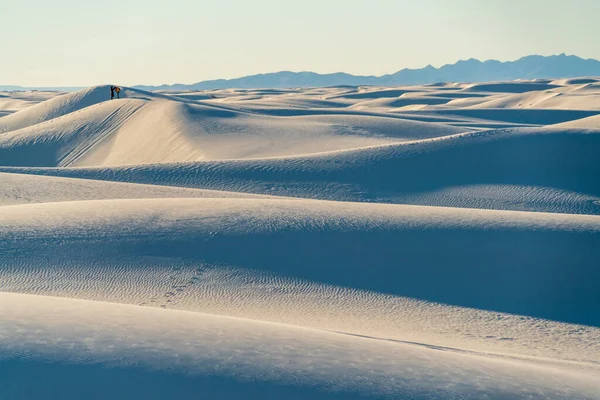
118	90
112	92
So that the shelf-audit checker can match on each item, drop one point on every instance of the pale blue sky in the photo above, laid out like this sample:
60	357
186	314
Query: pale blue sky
82	42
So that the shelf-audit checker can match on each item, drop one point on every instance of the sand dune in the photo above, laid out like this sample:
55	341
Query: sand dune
415	172
512	87
424	242
299	239
576	81
147	350
549	100
584	123
141	129
25	189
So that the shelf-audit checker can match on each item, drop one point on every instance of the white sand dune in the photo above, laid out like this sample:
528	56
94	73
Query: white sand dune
576	81
143	129
24	189
14	101
538	116
510	87
53	108
548	100
584	123
147	350
299	239
425	242
520	100
524	166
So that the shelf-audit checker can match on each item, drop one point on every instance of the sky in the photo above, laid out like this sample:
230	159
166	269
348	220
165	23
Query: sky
129	42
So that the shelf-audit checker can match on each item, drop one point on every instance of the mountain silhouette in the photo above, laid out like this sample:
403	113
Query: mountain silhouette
472	70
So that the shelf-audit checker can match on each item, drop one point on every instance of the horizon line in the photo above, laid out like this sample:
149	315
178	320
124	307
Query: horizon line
51	87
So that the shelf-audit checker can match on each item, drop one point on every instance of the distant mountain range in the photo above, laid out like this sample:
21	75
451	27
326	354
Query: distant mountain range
472	70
